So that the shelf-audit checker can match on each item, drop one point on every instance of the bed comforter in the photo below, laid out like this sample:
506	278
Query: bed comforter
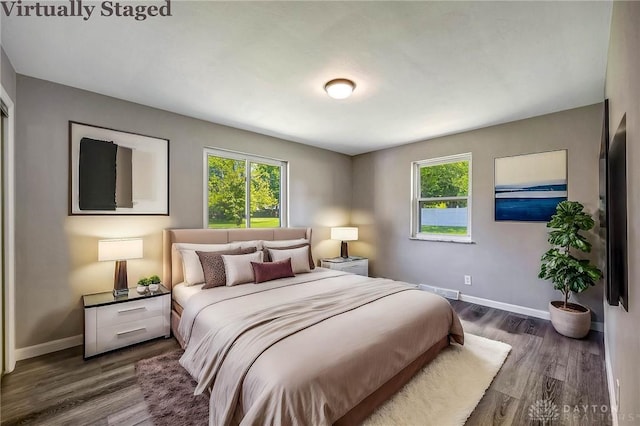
305	350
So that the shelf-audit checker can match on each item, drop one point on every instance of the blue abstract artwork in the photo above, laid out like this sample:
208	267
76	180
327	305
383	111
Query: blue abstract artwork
529	187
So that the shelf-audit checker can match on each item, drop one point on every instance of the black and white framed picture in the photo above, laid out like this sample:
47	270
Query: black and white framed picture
112	172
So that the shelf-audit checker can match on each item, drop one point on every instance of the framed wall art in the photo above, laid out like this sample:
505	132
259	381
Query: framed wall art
529	187
112	172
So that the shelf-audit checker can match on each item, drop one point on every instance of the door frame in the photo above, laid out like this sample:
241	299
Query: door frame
9	237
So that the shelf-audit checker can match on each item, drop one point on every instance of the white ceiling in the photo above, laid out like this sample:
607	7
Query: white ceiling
422	69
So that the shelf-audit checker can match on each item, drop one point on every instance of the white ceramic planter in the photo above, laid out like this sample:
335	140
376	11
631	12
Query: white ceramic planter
574	324
154	287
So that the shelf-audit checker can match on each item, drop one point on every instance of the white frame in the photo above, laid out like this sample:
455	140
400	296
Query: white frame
496	160
247	158
415	199
158	148
9	322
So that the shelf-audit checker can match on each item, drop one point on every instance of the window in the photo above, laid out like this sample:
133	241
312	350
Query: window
441	199
244	191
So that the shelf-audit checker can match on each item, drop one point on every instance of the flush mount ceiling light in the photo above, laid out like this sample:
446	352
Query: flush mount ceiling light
340	88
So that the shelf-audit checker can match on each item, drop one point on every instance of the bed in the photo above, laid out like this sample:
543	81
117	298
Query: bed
324	347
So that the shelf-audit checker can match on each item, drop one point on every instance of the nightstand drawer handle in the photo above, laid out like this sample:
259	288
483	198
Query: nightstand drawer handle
124	311
122	333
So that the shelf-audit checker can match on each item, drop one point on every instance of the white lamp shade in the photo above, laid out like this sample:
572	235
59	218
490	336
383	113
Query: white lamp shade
344	233
130	248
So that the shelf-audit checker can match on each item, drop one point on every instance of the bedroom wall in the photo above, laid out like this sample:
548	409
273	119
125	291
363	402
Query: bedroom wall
504	261
57	253
622	339
8	75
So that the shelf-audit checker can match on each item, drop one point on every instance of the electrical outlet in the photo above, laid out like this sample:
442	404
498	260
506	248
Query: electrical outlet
467	279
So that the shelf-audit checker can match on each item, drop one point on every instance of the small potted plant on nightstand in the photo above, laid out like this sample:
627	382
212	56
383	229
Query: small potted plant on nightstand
154	283
566	272
143	285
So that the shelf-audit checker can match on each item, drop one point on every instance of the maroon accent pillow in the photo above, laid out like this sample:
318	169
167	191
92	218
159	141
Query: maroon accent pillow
268	271
267	256
213	265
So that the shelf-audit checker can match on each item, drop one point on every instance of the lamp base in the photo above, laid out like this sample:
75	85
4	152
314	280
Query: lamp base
120	284
344	250
120	293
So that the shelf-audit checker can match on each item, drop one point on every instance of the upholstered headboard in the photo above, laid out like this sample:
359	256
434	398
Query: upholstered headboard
171	265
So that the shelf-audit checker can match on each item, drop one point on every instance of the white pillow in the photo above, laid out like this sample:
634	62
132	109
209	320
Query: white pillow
284	243
248	244
238	267
191	266
299	258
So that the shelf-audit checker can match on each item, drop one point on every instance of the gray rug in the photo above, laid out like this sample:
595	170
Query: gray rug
168	391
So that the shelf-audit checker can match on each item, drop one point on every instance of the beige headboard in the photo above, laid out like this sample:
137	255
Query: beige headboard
172	269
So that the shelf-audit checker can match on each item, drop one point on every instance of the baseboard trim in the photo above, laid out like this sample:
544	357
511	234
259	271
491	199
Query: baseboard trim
611	385
517	309
536	313
48	347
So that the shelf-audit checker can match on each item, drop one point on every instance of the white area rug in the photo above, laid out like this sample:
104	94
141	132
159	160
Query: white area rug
446	391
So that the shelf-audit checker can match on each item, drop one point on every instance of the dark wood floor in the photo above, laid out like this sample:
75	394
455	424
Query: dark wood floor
63	389
542	366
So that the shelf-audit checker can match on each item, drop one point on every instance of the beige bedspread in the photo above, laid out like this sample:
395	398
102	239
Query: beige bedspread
306	350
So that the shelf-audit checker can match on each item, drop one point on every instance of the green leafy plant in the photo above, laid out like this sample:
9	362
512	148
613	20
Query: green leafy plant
153	279
566	272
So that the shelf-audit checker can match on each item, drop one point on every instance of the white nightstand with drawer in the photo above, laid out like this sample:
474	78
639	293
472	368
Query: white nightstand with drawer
355	265
114	322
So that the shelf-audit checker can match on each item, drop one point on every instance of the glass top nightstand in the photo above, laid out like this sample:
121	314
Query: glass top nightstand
353	264
107	297
343	259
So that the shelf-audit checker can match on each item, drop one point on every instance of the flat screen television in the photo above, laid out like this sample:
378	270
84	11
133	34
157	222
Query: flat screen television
617	263
611	291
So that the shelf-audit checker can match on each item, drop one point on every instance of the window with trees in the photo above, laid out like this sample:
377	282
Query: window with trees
244	191
441	199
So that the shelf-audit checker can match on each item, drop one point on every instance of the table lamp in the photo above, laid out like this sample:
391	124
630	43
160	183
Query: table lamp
344	234
120	251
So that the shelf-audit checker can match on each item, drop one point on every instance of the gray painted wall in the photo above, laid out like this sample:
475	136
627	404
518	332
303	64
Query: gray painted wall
8	77
504	261
623	90
57	254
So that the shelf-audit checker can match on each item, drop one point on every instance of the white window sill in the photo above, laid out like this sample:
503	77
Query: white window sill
442	239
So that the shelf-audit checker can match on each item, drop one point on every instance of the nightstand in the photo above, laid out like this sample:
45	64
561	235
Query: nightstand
354	264
114	322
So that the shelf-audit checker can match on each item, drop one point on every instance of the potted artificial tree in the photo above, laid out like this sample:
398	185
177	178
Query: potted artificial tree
566	272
